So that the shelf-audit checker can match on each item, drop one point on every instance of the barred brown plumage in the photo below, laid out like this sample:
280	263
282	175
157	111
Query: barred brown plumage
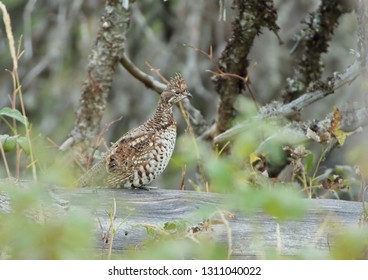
142	153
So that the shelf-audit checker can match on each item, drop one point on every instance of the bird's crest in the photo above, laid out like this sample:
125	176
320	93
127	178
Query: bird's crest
177	82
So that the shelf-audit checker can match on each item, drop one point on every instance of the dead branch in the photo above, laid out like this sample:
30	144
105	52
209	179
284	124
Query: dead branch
276	109
362	17
321	90
137	73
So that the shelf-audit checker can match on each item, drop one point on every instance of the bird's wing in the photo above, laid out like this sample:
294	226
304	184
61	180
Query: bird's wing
129	151
118	163
94	176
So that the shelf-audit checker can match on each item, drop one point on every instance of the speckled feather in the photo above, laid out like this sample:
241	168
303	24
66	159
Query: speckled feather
142	153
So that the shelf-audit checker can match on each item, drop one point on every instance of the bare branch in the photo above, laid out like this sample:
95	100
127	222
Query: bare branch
322	90
275	109
362	16
137	73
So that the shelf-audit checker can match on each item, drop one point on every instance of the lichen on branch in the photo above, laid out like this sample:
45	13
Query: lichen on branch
104	56
251	17
312	42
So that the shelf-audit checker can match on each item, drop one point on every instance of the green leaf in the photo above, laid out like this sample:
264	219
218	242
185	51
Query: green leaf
283	204
14	114
23	143
221	173
8	142
169	226
350	244
309	160
341	136
178	227
150	231
247	200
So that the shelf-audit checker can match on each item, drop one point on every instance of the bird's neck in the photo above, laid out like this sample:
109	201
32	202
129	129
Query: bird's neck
163	116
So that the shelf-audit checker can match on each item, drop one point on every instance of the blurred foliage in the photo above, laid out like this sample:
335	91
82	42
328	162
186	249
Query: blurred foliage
10	142
174	249
52	69
233	173
351	243
34	229
177	240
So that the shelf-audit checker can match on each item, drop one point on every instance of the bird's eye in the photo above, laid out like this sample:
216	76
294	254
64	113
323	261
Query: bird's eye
175	91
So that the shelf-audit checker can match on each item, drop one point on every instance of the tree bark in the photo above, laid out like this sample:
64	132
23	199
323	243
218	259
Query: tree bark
251	17
313	41
108	49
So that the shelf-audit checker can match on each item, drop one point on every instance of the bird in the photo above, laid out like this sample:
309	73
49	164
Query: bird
142	153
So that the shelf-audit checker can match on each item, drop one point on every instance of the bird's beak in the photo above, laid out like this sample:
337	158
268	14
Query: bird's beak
189	95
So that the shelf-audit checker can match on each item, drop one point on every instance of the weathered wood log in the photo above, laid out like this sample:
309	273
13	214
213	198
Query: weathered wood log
250	234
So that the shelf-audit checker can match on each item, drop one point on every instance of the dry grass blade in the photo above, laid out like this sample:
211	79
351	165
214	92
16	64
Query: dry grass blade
9	35
229	233
183	172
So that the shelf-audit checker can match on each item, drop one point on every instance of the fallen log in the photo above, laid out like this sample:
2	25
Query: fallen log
250	234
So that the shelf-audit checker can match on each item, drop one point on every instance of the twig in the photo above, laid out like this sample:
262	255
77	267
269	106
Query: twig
194	139
321	229
99	140
278	239
103	235
157	71
5	160
183	171
334	82
220	73
206	186
363	190
67	143
229	233
112	216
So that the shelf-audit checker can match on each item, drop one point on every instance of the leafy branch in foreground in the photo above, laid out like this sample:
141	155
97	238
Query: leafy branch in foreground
24	143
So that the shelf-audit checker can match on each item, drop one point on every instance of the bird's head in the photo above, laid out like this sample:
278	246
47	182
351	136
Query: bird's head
176	91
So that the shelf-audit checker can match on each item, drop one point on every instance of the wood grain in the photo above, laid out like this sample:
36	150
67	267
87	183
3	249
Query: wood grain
251	234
